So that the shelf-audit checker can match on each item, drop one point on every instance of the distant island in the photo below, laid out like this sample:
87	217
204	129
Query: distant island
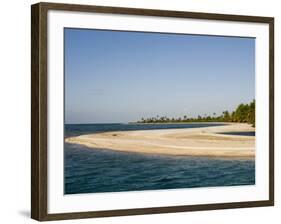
244	113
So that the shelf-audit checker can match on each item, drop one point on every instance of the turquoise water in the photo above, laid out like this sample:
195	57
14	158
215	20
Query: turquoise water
90	170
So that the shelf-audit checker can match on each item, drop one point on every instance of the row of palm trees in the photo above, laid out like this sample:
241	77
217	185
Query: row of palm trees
244	113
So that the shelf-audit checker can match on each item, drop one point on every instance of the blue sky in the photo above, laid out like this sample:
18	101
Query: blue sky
113	76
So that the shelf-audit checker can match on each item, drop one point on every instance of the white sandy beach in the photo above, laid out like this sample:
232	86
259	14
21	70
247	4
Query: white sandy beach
206	141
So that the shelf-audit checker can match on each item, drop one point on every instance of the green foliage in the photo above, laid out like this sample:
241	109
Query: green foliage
244	113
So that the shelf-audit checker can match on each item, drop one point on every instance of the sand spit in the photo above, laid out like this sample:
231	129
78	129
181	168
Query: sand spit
204	141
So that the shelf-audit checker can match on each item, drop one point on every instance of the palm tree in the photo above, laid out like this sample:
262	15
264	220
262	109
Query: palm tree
226	115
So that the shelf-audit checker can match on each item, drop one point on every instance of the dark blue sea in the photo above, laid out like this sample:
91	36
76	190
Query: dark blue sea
88	170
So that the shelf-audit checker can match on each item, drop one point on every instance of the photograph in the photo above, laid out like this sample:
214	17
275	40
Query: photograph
150	111
139	111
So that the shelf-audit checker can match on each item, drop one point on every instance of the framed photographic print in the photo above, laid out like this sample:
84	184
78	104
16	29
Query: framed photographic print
141	111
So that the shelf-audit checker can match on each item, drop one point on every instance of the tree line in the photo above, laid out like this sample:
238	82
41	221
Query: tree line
244	113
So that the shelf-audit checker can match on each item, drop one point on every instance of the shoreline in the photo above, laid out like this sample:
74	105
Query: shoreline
190	122
201	141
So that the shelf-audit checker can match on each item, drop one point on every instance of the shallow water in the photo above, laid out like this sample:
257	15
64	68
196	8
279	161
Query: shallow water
242	133
90	170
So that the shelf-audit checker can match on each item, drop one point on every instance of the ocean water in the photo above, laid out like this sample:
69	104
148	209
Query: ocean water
88	170
242	133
